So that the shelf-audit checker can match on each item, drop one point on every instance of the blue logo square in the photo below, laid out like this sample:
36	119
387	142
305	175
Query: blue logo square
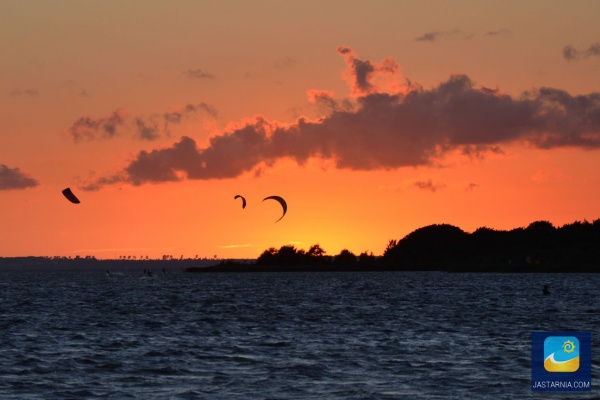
561	361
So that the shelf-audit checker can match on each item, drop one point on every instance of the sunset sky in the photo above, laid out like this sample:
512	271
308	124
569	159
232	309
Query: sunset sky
371	119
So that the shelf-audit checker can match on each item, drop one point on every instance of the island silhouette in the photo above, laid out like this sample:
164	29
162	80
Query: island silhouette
540	247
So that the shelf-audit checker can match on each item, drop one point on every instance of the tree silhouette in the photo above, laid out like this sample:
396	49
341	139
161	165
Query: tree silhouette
345	259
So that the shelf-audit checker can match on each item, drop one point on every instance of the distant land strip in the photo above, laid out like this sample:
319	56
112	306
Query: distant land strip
540	247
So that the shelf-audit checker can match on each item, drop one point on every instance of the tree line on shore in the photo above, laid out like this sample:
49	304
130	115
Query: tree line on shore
540	247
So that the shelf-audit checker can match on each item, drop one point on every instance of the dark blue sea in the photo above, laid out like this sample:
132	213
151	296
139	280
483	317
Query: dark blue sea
345	335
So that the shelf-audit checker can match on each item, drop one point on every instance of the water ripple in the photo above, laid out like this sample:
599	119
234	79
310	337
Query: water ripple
83	335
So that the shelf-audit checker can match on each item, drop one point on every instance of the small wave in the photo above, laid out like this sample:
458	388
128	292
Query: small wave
87	361
168	371
275	344
75	394
189	394
110	366
154	353
27	362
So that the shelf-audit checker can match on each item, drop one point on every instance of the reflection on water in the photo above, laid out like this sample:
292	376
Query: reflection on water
385	335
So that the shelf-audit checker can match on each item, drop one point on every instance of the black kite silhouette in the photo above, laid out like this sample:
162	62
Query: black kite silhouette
243	200
281	201
70	196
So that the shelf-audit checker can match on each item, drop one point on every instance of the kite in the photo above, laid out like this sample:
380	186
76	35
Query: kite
243	200
281	201
70	196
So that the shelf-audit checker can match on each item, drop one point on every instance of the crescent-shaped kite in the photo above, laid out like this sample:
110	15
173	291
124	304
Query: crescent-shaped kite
70	196
281	201
243	200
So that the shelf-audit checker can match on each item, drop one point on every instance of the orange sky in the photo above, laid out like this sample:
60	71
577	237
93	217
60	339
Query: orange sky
410	114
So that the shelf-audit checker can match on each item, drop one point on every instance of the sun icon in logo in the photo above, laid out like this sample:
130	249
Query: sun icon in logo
568	346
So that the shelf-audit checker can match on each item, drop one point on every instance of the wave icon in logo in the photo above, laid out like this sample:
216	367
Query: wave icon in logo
561	354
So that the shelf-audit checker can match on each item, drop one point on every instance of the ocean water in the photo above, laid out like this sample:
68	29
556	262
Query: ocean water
345	335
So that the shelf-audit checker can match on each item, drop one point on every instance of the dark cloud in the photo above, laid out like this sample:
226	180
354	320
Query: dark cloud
146	129
571	53
429	185
326	102
192	108
382	130
86	128
324	97
363	75
434	35
428	37
479	151
177	116
198	74
142	127
13	178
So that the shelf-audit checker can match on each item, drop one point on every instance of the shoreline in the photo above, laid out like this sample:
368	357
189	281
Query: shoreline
250	266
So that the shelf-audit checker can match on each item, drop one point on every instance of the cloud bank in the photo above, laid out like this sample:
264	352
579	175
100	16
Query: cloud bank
382	130
143	127
13	178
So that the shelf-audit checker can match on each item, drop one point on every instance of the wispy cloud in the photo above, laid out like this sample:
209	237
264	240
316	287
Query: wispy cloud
435	35
234	246
86	128
285	62
365	77
142	127
570	53
383	130
24	92
198	74
429	185
13	178
146	129
269	68
498	32
75	88
326	102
